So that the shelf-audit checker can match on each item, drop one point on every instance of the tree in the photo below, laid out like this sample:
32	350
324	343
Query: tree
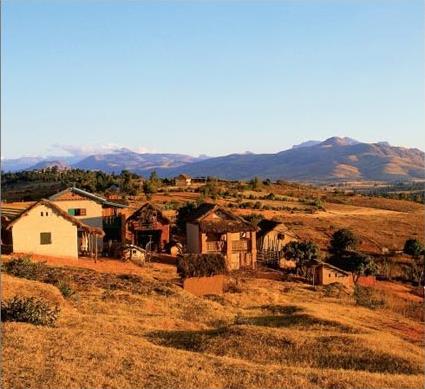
149	189
255	183
416	250
302	253
342	241
413	248
359	265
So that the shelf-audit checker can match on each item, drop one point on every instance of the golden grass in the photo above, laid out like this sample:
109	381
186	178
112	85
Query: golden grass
271	334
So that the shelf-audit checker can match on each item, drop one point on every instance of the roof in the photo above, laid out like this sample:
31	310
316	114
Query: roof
60	212
151	206
10	211
233	223
89	195
267	225
328	265
183	176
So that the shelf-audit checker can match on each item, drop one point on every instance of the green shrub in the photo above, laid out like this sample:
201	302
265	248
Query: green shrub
200	265
29	310
366	297
65	288
24	268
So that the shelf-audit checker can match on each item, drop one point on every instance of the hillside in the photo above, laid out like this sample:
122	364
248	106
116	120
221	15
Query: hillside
332	160
131	327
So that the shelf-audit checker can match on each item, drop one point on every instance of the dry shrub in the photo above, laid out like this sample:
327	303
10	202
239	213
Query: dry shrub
367	297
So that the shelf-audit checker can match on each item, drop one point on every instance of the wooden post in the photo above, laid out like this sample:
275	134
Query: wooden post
95	248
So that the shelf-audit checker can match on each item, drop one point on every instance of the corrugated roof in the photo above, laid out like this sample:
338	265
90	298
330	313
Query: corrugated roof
11	211
89	195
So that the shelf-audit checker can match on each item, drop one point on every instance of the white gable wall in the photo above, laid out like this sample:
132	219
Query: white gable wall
26	234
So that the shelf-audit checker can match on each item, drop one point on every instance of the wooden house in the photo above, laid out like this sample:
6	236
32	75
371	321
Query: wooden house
46	229
183	180
273	235
148	228
213	229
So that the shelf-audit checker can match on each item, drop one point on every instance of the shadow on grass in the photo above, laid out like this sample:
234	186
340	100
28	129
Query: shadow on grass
291	316
250	344
301	321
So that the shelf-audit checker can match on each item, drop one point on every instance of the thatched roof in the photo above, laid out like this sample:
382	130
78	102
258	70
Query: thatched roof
147	207
60	212
229	223
267	225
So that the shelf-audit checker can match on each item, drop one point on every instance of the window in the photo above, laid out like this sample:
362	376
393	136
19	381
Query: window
47	213
77	211
45	238
42	213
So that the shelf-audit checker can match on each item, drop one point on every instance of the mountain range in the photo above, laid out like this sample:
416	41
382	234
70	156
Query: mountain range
335	159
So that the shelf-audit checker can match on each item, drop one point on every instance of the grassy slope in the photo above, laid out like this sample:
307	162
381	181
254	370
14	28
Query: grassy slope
119	333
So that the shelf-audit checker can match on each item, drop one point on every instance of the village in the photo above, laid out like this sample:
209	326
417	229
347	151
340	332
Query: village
190	270
76	224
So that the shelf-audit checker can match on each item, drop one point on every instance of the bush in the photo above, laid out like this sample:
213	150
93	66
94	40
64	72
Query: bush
24	268
65	288
201	265
366	297
29	310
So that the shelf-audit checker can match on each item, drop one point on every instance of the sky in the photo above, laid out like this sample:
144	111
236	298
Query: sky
209	77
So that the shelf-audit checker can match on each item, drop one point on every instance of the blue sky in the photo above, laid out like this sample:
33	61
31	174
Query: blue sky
204	77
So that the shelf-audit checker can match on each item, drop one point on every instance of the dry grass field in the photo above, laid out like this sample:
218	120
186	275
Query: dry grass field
135	327
132	327
378	222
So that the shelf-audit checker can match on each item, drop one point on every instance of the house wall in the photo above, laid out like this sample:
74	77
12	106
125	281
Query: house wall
270	241
26	234
326	276
192	237
93	215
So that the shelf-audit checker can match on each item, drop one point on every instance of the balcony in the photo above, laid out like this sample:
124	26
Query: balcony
240	245
216	246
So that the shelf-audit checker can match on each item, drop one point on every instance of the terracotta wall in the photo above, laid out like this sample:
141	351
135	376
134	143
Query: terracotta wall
201	286
366	281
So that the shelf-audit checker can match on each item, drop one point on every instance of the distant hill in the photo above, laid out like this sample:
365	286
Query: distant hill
308	143
125	159
61	165
335	159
